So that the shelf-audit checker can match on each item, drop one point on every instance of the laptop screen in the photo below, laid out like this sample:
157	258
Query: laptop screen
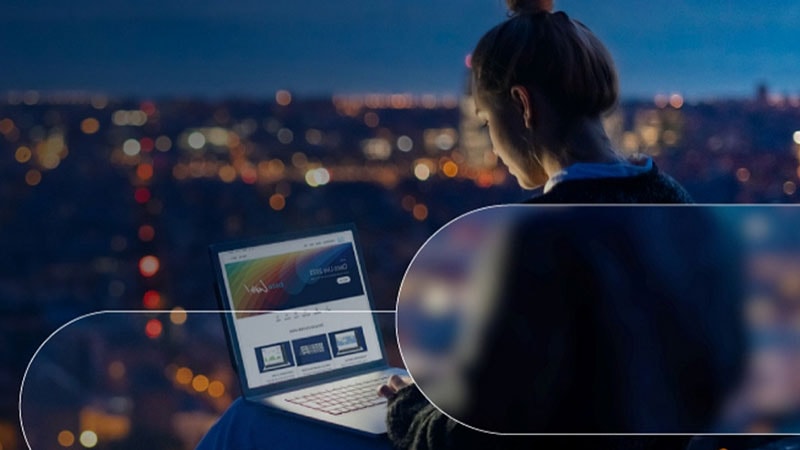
283	294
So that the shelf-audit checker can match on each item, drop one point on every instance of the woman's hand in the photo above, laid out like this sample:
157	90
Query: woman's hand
394	384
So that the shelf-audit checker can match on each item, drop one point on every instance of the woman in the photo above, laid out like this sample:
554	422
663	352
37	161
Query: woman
541	82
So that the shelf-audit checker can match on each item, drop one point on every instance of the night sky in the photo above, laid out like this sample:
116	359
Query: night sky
215	48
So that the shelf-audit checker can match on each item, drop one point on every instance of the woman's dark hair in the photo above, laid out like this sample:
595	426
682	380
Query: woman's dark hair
550	53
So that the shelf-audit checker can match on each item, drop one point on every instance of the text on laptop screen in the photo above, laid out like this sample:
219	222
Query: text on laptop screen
286	296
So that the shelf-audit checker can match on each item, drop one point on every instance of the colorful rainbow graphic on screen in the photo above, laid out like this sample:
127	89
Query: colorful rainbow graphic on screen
293	280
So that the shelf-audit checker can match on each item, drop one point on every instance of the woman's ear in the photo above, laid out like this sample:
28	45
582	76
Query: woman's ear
522	97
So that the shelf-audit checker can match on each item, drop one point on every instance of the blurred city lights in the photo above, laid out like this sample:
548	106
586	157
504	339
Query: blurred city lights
23	154
313	136
249	174
151	299
200	383
227	173
147	144
796	137
468	60
422	171
420	212
6	126
318	177
141	195
371	119
742	174
148	108
676	101
153	328
116	370
99	102
90	125
661	101
131	147
178	316
283	97
163	143
446	140
376	149
196	140
146	233
66	438
285	136
33	177
450	169
88	439
135	118
789	188
277	202
405	144
184	375
299	160
149	265
144	171
30	98
216	389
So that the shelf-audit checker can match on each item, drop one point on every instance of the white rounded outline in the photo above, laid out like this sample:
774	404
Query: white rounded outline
570	206
158	311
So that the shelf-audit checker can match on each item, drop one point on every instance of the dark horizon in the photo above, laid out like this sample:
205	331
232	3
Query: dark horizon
217	49
303	96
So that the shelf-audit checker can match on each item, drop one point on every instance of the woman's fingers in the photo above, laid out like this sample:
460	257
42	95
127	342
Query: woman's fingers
398	382
387	391
393	384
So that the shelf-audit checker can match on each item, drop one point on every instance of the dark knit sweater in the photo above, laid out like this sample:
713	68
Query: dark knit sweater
416	424
650	187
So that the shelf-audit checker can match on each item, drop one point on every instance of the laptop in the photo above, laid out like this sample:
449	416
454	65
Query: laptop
300	327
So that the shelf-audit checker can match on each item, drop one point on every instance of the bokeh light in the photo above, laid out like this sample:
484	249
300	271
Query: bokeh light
184	375
131	147
200	383
66	438
153	328
422	171
23	154
141	195
676	101
277	202
196	140
146	233
450	169
216	389
283	97
144	171
88	439
90	125
151	299
178	316
420	212
149	265
743	175
33	177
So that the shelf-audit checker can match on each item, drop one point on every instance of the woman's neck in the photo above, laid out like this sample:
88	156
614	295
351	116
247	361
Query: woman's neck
585	142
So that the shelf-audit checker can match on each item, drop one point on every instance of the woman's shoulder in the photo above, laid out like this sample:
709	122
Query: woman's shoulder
651	187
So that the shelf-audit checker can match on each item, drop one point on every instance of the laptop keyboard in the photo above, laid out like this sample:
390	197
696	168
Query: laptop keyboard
343	398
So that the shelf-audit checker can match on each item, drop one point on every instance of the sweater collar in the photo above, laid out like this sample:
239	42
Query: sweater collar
583	171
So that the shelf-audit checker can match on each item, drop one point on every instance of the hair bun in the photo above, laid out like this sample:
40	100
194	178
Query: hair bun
529	6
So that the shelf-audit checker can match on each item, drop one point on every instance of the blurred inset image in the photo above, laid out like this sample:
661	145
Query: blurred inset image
609	319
